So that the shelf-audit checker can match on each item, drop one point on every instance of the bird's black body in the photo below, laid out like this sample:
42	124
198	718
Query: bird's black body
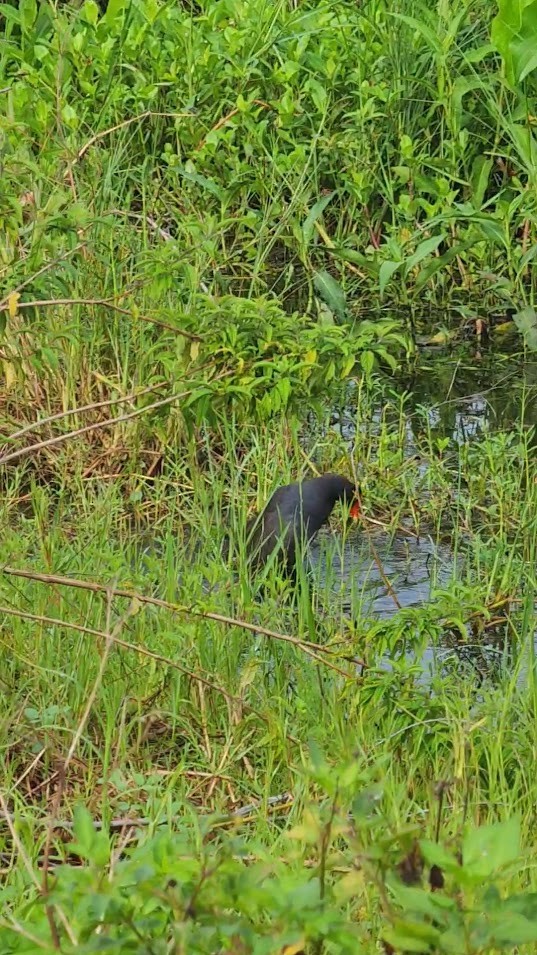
294	514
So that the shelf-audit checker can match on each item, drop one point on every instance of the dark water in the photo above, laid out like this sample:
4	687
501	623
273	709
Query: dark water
460	398
413	568
455	399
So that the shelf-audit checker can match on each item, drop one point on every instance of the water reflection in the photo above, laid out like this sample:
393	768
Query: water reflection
413	568
456	400
492	391
447	399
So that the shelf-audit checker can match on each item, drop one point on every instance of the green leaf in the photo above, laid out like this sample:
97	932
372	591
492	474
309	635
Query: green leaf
420	27
514	34
283	389
480	53
527	258
441	261
531	62
90	12
508	929
385	356
479	179
114	9
311	219
386	271
524	904
357	258
424	249
28	12
487	849
326	316
10	13
526	322
348	366
435	854
101	849
461	87
51	358
208	184
412	936
418	901
330	372
331	292
84	831
367	361
525	144
317	93
493	230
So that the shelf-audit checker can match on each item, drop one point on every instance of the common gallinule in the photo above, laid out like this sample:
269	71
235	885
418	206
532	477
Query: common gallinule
294	514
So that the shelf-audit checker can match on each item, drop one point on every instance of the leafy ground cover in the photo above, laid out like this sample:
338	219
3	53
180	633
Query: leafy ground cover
158	690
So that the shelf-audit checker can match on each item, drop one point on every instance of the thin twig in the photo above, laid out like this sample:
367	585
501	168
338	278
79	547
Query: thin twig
274	804
312	649
29	768
378	562
17	842
389	528
109	640
89	631
382	573
126	122
58	439
225	119
57	798
106	303
19	929
82	408
45	268
151	222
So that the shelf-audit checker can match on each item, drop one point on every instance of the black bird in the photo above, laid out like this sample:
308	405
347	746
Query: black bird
294	514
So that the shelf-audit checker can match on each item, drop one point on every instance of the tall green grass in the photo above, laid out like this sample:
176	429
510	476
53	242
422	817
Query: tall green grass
223	714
